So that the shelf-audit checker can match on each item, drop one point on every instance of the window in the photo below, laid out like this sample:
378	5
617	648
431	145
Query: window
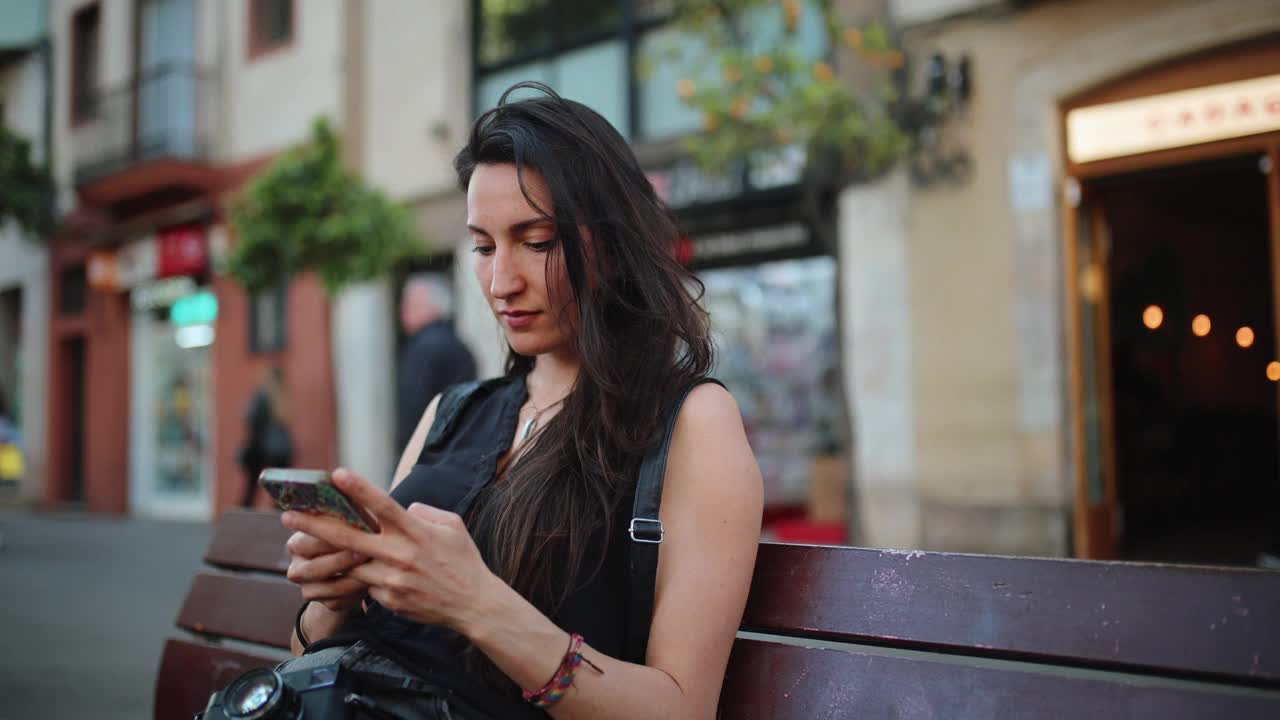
513	30
73	290
587	60
268	315
85	35
661	113
270	25
595	75
626	71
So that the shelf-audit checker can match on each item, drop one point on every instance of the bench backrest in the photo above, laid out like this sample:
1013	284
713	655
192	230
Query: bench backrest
242	600
842	632
943	635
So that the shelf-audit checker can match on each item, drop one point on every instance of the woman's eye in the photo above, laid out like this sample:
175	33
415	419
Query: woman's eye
485	250
542	246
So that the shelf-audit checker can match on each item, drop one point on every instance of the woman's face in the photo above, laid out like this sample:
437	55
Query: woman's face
512	249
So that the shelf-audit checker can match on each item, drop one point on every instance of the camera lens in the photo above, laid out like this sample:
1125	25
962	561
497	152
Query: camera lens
259	695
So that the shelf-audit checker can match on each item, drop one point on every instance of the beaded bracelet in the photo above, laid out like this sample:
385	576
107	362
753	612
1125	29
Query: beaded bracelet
558	685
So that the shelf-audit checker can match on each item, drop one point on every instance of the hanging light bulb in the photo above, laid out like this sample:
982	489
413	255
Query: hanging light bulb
1200	325
1244	337
1153	317
1273	371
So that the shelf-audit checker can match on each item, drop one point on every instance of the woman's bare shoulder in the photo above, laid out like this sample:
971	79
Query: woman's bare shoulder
710	443
710	408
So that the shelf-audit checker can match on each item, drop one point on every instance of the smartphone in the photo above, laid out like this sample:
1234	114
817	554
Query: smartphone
312	491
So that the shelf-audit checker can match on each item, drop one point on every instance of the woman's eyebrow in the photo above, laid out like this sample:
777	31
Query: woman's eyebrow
515	229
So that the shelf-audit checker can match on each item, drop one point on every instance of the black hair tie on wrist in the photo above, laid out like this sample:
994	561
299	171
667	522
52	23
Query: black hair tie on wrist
297	626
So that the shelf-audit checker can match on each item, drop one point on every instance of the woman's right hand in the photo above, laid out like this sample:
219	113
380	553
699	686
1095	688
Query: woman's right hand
320	570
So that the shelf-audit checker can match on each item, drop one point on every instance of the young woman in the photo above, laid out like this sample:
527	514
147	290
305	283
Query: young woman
483	595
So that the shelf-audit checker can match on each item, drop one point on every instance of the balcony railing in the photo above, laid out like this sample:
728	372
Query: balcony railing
166	111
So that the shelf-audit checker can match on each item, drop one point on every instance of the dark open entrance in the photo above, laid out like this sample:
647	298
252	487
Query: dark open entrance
1195	412
75	354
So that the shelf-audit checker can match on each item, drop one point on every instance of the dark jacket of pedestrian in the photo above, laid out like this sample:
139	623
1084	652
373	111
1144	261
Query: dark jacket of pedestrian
268	442
433	359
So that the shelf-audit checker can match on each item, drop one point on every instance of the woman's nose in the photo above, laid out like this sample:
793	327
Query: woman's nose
506	280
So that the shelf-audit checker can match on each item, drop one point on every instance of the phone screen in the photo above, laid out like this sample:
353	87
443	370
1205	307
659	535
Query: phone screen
311	491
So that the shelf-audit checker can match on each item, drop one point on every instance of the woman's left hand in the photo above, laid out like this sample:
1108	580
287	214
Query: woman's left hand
423	564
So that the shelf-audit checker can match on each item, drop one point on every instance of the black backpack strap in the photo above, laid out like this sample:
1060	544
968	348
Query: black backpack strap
646	533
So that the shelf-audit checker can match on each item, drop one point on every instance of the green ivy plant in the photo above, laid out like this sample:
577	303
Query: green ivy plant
757	91
307	213
26	189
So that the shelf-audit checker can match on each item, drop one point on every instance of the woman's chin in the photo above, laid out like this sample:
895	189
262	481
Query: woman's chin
531	346
525	345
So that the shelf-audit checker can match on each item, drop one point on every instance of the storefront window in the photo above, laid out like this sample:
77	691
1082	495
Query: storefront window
776	351
172	396
662	112
668	56
511	29
268	313
594	75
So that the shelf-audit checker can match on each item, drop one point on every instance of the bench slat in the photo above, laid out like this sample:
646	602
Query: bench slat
1177	620
770	681
190	672
256	610
249	540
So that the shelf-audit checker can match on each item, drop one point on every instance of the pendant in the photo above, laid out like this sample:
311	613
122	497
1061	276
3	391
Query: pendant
529	425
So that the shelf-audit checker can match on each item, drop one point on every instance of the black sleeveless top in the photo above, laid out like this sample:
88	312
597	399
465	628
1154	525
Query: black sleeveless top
445	476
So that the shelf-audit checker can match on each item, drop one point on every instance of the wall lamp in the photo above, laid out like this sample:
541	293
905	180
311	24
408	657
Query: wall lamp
948	85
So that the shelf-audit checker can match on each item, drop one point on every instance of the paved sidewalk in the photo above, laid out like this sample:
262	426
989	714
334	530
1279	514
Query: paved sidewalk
86	603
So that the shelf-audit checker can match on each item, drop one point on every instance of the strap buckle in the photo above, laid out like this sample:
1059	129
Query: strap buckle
652	534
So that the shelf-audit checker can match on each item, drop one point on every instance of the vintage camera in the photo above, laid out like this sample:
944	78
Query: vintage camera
318	693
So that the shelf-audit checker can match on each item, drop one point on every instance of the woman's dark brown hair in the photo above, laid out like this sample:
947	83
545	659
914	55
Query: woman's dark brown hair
640	333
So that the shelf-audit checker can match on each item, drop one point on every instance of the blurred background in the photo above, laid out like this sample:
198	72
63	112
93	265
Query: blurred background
990	276
985	275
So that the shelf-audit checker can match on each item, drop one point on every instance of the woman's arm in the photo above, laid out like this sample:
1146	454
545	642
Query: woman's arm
409	457
426	567
324	618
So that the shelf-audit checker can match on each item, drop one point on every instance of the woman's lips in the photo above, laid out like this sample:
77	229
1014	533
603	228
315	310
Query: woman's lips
516	319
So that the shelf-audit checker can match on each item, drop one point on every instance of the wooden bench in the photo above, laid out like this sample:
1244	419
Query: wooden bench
902	635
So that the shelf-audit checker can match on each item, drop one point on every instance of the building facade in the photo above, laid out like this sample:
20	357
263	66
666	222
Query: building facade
24	111
1057	398
162	109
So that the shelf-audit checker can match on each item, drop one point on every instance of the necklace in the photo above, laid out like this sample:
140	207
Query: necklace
532	423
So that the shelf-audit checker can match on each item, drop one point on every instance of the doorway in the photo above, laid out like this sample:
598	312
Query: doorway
1186	417
74	352
170	419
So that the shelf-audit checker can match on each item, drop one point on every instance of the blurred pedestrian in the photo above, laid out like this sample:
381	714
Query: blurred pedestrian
268	443
433	357
11	460
12	465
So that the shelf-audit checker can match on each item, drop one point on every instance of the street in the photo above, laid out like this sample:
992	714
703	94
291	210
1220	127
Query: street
88	602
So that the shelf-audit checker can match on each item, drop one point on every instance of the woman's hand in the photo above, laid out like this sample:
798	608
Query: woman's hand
321	570
422	565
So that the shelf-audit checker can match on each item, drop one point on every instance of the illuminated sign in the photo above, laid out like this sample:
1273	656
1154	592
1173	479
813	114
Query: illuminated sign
182	250
1177	119
743	243
198	309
